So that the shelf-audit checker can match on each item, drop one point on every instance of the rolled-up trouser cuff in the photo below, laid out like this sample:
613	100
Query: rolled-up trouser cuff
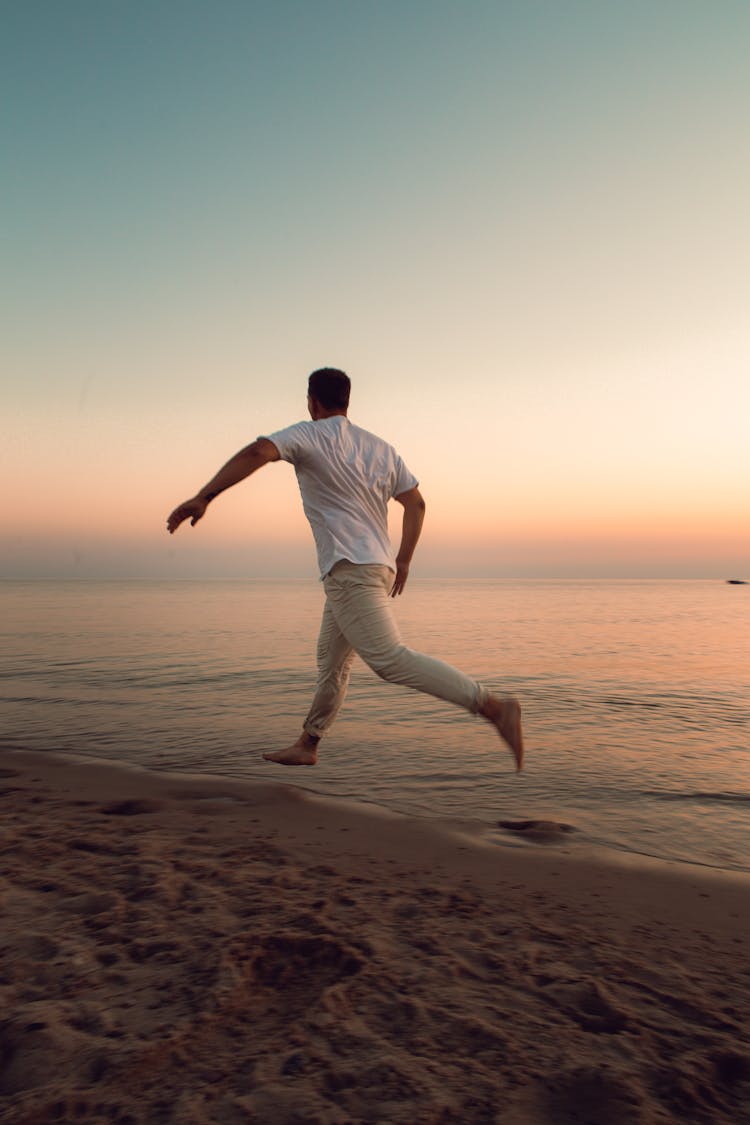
483	695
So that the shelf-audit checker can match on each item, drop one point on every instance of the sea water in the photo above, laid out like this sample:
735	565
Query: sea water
635	696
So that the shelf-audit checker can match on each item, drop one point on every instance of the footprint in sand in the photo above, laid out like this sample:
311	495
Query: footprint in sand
90	903
541	831
132	806
732	1068
37	1052
39	947
585	1096
309	963
289	969
590	1005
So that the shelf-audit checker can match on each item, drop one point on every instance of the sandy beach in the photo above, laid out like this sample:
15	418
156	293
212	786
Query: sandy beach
192	949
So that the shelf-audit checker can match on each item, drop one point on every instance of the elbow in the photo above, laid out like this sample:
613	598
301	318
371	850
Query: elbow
412	501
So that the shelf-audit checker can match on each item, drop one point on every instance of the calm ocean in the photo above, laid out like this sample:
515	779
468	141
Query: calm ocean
635	693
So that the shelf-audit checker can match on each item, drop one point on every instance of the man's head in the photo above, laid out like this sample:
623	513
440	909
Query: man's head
328	389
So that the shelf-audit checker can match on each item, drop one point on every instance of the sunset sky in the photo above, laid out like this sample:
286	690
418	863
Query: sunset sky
521	227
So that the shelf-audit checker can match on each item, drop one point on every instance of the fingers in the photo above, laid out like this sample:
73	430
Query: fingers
192	510
179	515
398	584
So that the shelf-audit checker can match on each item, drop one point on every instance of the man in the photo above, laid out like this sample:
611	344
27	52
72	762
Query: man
347	476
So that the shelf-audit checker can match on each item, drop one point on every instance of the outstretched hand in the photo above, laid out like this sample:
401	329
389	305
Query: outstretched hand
192	510
402	573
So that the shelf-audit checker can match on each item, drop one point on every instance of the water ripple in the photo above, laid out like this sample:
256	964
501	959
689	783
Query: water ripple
699	795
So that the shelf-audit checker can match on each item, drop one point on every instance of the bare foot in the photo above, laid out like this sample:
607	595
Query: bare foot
505	716
304	752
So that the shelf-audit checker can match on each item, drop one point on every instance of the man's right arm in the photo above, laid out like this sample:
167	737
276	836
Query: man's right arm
414	509
247	461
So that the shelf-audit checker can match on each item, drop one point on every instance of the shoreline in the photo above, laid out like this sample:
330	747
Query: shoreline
192	948
97	774
476	832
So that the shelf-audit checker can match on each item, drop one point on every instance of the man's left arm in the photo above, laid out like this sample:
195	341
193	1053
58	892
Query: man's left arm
414	509
237	468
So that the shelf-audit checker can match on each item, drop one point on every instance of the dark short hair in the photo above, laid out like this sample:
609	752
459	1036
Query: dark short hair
330	387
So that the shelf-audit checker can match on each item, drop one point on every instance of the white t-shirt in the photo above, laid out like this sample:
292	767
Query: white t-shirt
346	476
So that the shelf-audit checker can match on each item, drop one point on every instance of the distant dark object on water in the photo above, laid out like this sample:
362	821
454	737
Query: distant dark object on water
737	582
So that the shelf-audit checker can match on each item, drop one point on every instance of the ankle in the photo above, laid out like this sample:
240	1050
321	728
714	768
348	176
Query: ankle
489	706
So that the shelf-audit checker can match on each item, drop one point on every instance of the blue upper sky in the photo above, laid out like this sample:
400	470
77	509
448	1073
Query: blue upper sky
523	223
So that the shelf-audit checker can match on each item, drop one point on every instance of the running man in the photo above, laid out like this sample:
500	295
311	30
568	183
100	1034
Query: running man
346	477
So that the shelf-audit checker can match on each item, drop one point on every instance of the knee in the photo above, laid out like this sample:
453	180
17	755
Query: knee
335	676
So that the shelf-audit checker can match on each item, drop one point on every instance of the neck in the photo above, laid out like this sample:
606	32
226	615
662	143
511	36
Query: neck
329	414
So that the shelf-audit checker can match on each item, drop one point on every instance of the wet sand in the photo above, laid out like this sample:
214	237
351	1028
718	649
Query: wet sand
190	950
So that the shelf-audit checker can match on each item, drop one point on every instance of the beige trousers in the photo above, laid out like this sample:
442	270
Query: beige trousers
357	619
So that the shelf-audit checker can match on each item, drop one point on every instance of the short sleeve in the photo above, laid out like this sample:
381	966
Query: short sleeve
404	479
289	441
